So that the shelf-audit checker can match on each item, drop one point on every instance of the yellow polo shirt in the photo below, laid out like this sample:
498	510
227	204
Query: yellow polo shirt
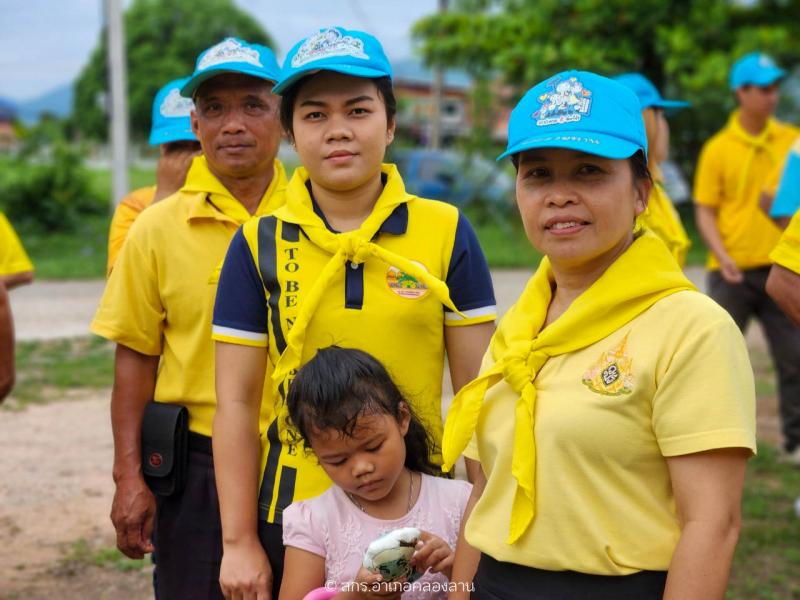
787	252
160	295
125	214
272	266
661	218
604	502
733	169
13	258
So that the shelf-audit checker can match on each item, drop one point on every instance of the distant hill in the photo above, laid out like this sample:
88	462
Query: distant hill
57	102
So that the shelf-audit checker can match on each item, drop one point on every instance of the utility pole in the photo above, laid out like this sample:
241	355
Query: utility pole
438	91
119	100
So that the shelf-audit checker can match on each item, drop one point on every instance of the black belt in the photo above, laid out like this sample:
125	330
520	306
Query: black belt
200	443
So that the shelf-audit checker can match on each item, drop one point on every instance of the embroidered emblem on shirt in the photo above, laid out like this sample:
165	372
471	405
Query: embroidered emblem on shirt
175	105
229	51
405	285
612	374
568	102
326	44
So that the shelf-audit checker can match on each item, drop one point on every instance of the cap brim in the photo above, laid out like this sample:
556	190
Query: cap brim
763	78
188	90
355	71
598	144
166	135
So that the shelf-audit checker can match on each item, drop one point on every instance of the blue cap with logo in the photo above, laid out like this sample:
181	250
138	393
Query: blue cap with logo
335	49
171	112
233	55
757	69
578	110
648	94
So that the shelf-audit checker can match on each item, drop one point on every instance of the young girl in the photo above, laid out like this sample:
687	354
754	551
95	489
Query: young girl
367	439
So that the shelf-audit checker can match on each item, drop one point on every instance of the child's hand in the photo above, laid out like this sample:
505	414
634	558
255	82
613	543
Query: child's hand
433	553
370	586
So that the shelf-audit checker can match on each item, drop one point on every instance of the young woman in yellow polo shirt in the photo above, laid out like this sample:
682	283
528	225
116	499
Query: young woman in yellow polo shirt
352	260
615	408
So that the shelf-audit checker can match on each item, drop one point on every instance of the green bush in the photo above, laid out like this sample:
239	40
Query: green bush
49	195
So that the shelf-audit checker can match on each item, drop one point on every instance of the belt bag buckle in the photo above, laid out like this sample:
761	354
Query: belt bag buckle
165	447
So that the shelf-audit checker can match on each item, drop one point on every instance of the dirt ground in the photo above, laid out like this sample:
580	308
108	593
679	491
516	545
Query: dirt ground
56	488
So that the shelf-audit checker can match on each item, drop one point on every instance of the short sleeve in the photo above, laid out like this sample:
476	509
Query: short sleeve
13	258
787	196
787	252
131	312
469	280
708	177
300	531
240	310
706	398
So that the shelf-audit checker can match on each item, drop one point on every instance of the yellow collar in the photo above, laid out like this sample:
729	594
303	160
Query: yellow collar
212	200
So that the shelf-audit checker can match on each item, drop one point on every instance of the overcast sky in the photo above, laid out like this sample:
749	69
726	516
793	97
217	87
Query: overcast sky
45	43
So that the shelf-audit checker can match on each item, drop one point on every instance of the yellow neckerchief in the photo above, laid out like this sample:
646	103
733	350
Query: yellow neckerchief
642	275
354	246
755	142
213	195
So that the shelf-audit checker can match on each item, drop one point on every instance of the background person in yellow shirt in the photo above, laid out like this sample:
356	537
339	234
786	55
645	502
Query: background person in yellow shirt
157	307
731	174
171	131
615	408
15	267
660	216
783	284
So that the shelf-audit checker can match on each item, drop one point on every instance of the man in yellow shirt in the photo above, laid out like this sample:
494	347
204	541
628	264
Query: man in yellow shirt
171	131
15	267
732	172
783	284
158	303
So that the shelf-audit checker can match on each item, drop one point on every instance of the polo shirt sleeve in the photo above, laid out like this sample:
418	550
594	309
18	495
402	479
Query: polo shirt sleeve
131	312
706	397
787	197
240	310
13	258
469	280
708	180
787	252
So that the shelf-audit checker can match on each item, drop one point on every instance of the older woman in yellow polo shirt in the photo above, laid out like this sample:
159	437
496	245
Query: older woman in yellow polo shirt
615	410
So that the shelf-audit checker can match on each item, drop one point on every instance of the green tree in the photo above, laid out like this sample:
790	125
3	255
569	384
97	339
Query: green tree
686	47
162	41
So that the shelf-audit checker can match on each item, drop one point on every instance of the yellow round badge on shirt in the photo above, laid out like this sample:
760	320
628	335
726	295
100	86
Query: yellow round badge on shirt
405	285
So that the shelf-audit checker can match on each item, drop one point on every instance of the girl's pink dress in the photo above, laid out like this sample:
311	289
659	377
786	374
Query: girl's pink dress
332	527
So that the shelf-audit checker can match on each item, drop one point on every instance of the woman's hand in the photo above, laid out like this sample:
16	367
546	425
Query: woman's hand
433	553
245	573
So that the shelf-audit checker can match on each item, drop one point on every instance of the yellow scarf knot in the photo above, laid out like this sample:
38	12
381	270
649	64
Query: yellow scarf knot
354	248
642	275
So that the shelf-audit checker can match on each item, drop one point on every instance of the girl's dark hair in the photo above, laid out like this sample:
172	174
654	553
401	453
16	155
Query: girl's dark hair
638	165
338	386
385	91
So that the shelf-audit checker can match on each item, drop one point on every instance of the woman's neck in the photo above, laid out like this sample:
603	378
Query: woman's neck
247	190
571	281
347	210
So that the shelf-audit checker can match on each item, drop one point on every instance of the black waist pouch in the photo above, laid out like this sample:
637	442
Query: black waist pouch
165	437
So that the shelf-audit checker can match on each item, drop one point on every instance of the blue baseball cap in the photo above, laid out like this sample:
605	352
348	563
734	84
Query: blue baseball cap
755	68
580	111
648	94
171	122
335	49
233	55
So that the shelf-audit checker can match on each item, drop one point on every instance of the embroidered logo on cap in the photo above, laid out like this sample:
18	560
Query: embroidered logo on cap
229	51
326	44
568	102
175	105
765	62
